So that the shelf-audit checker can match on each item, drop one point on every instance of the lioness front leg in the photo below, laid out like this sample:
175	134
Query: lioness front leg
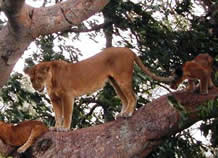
58	110
68	104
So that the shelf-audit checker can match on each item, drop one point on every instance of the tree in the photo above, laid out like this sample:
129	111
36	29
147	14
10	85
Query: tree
161	47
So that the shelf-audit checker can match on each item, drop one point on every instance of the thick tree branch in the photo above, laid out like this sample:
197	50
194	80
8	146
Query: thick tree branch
62	16
126	138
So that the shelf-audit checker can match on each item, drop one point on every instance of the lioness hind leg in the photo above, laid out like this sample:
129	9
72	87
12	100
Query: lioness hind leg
37	131
124	82
131	102
126	88
120	94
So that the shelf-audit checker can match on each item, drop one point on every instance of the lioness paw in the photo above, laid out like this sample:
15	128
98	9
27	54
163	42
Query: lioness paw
127	114
62	129
52	128
124	115
59	129
204	92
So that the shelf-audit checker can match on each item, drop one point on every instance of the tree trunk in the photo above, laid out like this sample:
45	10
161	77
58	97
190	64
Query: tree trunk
134	137
25	23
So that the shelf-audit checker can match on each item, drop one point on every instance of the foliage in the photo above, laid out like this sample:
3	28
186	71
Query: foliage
17	99
210	126
163	34
173	145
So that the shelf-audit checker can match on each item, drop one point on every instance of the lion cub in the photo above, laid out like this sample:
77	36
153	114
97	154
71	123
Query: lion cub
64	81
200	68
24	133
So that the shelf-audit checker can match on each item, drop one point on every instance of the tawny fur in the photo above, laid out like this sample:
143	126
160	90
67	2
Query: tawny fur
200	68
24	134
65	81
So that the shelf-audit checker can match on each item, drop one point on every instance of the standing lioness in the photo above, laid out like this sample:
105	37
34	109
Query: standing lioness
65	81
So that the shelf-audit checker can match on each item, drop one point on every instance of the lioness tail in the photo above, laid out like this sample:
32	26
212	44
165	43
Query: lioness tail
151	74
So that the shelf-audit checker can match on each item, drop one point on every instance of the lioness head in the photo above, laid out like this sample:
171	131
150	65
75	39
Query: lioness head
38	74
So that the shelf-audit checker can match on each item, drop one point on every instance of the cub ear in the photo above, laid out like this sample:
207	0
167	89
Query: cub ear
27	70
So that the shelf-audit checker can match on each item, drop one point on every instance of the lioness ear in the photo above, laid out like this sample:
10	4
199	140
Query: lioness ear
27	70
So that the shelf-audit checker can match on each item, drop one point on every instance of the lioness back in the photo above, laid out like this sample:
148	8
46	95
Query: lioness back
90	75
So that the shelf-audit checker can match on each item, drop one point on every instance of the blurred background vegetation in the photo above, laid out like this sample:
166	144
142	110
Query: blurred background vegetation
164	33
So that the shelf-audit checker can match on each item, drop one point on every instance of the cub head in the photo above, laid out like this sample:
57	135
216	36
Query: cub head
38	74
178	78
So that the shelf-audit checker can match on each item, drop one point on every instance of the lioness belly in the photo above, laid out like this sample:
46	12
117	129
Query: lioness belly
88	88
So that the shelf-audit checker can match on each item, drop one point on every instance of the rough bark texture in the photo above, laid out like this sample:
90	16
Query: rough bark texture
135	137
25	23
